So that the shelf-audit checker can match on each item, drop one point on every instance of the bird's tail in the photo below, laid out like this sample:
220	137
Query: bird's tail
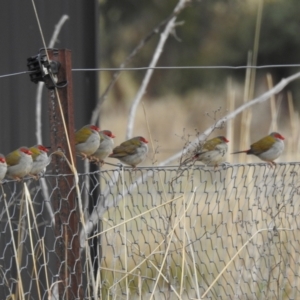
243	151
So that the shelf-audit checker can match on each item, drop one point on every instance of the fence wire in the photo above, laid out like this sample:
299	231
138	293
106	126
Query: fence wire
165	233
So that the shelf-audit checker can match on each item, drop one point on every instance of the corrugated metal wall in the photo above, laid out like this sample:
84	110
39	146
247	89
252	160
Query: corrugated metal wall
20	39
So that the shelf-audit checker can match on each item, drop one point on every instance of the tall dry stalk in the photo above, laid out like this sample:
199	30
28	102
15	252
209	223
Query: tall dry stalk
293	141
273	126
250	81
246	114
230	124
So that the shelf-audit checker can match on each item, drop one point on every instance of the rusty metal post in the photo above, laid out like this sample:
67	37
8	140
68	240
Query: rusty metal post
67	222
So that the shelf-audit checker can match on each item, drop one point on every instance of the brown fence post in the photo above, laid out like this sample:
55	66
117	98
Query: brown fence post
67	222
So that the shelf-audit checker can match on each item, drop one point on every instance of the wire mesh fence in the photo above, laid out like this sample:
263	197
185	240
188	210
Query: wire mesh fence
160	233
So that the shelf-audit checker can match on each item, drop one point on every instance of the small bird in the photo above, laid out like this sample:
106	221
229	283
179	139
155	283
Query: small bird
87	140
131	152
19	163
106	146
3	167
267	149
40	160
212	151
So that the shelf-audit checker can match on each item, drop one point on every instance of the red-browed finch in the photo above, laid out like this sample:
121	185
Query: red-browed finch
19	163
87	140
40	160
131	152
212	152
106	146
3	166
267	149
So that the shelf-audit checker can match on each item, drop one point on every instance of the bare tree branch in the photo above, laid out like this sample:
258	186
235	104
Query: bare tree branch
276	89
38	112
169	29
38	107
142	43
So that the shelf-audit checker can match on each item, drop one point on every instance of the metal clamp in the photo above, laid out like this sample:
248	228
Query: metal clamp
43	70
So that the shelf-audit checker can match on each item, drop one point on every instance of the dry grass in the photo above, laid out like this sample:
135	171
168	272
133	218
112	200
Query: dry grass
193	238
176	243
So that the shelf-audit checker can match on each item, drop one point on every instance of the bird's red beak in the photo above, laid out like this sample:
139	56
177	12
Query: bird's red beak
43	148
280	137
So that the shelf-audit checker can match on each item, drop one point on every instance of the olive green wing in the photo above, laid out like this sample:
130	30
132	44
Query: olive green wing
35	152
262	145
211	144
13	158
126	148
82	135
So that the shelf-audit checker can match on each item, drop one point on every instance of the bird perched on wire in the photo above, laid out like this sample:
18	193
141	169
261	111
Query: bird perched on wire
40	160
87	140
212	151
267	149
131	152
106	146
3	167
19	163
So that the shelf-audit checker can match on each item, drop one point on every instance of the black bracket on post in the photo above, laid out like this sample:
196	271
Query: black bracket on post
43	70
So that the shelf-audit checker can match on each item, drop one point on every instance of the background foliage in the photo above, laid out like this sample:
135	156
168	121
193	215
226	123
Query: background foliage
215	32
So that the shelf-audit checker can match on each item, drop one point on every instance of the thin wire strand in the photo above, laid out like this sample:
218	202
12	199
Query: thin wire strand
167	68
15	74
190	67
